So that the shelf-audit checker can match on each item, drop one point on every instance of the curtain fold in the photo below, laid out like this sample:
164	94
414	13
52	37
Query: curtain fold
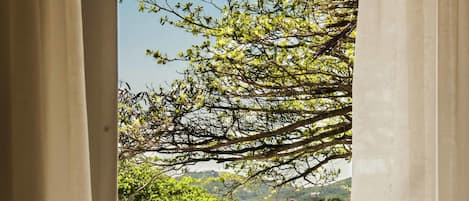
100	40
55	143
411	101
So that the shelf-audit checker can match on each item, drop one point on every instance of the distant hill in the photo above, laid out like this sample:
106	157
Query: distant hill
262	192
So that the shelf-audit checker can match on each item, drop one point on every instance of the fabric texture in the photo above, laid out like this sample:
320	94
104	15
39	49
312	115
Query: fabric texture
410	108
58	103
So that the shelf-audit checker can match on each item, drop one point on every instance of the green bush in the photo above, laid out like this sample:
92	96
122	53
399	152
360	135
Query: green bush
142	182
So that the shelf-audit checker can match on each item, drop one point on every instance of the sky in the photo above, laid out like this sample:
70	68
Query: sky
141	31
138	32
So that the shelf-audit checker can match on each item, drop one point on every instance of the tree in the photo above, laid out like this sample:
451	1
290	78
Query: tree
268	92
143	182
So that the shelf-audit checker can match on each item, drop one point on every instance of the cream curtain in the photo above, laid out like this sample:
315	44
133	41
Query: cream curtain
58	100
411	101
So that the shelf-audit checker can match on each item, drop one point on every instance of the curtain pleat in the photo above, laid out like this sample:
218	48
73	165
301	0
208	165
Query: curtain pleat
58	118
410	104
100	41
453	97
5	105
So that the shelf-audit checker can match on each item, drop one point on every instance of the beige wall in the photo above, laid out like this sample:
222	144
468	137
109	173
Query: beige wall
411	101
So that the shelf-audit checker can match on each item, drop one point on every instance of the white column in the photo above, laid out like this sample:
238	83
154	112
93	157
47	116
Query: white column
410	102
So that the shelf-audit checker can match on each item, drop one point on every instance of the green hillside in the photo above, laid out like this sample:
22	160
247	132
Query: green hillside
262	192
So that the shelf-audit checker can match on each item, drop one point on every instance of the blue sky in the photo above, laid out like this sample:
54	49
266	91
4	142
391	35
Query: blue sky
140	31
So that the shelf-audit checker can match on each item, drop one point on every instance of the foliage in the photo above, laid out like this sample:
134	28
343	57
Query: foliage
143	182
140	181
260	191
268	92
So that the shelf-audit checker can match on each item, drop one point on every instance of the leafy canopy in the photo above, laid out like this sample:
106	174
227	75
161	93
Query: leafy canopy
268	91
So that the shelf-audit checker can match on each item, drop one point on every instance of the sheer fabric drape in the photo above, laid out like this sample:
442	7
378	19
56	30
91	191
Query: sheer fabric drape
411	101
57	105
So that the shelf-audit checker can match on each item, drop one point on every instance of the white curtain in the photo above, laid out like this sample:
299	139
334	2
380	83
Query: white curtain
411	101
58	100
